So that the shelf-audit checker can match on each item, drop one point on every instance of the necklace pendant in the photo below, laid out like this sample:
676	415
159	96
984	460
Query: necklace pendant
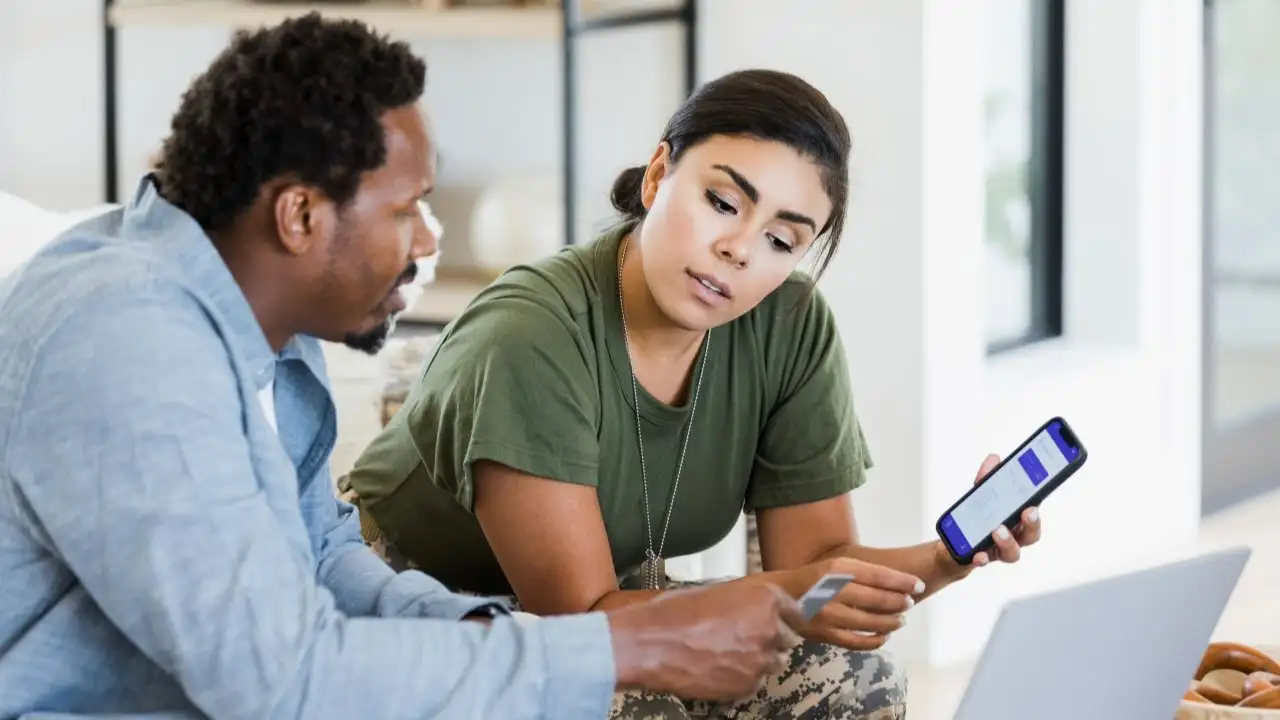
654	571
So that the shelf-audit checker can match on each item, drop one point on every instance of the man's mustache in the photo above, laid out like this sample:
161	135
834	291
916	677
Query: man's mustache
423	270
411	283
409	275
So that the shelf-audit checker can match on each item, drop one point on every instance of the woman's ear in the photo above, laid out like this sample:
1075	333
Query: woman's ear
659	166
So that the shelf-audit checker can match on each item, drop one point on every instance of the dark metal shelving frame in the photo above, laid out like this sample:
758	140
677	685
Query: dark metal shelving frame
574	25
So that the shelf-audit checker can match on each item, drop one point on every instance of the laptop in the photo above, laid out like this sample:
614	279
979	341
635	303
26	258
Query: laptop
1122	648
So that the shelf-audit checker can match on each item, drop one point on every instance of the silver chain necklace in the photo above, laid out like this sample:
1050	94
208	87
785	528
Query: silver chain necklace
653	571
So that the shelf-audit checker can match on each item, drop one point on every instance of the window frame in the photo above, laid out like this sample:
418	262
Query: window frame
1045	175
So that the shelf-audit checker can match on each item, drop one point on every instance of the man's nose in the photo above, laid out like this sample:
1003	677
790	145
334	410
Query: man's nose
427	233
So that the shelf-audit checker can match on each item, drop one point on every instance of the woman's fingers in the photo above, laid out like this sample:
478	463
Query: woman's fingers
839	616
1006	546
878	576
855	640
874	599
1029	529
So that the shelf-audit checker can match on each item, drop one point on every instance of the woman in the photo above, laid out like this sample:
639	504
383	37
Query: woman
624	400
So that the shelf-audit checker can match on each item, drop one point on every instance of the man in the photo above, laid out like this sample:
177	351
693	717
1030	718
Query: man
169	539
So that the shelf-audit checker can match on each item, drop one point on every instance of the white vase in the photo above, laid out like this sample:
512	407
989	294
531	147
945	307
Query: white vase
517	220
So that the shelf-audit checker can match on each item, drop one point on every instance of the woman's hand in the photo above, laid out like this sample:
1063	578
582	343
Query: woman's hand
865	612
1008	541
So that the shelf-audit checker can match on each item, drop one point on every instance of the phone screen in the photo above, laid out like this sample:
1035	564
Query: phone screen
1008	488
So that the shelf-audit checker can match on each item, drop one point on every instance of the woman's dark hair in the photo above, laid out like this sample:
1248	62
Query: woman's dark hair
766	105
304	99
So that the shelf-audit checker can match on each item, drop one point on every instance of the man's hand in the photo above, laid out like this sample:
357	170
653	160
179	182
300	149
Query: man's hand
711	643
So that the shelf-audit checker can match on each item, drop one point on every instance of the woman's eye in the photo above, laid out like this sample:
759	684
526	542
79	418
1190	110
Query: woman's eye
719	204
780	245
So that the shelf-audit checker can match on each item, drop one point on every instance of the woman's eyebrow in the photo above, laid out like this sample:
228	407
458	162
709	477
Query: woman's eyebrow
754	196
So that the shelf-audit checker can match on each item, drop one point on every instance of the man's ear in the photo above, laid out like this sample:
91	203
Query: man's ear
659	166
302	218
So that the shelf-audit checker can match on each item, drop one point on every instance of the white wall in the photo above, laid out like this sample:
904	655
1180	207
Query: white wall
50	101
1127	374
907	286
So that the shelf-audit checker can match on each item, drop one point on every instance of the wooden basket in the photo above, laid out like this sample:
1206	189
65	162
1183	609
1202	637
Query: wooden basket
1189	710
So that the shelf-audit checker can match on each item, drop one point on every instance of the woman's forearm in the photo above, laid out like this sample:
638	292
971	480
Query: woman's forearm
622	598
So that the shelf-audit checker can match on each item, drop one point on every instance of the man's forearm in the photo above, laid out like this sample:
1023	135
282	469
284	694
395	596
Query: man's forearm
560	667
924	561
363	584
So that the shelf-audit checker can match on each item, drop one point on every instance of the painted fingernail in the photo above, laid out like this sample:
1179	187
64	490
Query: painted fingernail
911	601
1002	533
919	586
902	620
1033	515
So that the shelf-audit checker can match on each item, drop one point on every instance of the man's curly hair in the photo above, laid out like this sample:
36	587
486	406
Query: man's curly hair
302	99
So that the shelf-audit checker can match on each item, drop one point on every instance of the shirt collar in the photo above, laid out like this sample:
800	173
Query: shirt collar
149	216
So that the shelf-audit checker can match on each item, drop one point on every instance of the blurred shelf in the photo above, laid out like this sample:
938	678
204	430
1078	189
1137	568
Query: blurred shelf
442	301
400	19
559	22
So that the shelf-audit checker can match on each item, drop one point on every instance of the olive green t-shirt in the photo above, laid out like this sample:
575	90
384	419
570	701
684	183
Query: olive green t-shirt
535	375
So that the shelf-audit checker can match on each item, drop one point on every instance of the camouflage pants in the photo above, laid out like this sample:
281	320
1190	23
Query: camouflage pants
819	682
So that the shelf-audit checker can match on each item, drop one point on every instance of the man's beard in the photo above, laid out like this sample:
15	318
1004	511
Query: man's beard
372	341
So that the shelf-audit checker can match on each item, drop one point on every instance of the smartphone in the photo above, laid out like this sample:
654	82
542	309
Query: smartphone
1025	478
822	593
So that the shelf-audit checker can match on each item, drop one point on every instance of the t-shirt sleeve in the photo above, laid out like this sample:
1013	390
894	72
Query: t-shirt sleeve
812	446
511	383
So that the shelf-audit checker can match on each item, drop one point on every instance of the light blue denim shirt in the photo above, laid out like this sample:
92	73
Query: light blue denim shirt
164	552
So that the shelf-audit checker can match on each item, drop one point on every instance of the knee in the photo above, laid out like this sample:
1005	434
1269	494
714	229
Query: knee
881	685
860	685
